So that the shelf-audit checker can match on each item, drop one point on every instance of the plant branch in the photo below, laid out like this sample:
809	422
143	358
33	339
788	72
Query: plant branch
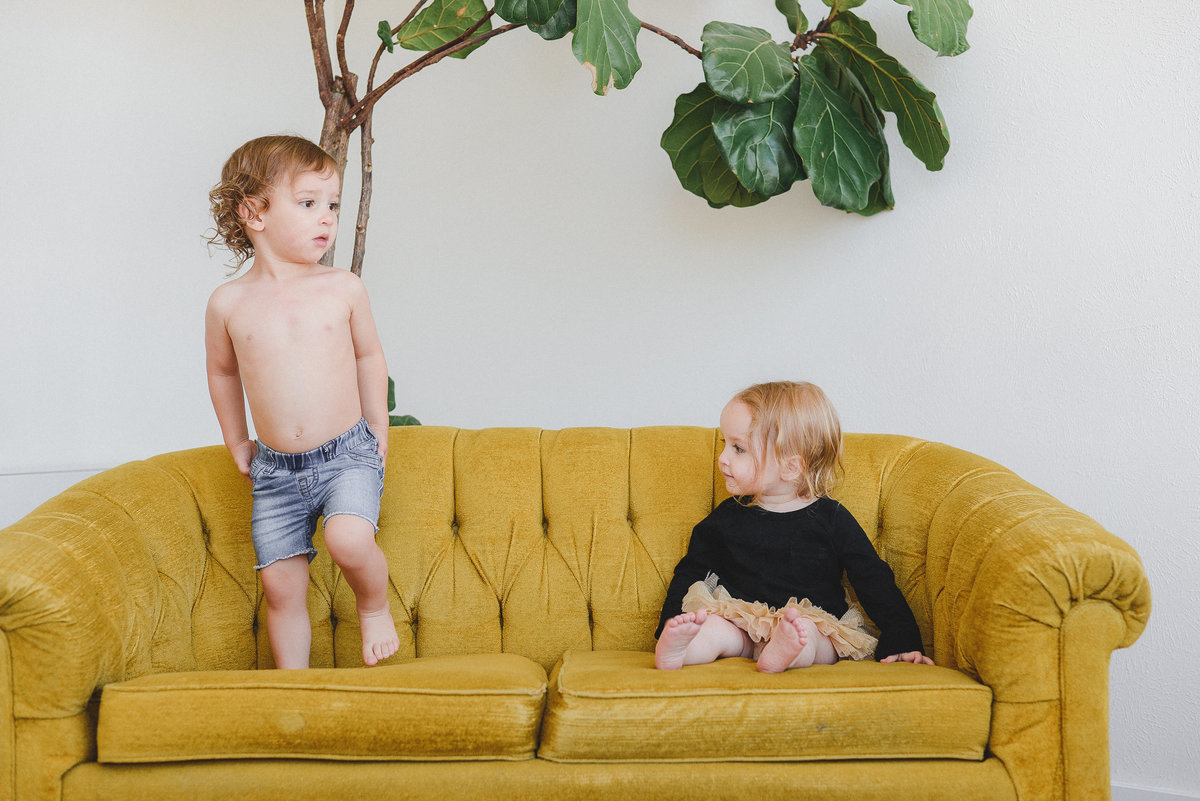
803	40
374	66
382	47
356	115
672	38
347	10
471	31
314	10
364	200
379	51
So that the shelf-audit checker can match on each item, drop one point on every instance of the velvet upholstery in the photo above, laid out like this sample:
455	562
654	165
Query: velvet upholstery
130	600
614	706
480	706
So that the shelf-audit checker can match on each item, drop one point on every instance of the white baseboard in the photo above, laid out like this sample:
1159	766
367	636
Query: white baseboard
1123	793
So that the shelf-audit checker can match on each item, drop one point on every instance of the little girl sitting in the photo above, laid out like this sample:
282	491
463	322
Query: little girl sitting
780	538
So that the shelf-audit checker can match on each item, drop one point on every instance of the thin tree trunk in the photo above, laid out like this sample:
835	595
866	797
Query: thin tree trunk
335	138
364	201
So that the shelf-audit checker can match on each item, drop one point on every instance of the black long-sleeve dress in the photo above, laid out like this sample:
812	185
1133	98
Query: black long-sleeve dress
771	557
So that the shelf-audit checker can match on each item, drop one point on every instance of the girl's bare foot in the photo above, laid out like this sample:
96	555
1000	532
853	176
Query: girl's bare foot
379	636
676	637
787	643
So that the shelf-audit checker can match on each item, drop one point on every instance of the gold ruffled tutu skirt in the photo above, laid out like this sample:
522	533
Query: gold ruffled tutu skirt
849	634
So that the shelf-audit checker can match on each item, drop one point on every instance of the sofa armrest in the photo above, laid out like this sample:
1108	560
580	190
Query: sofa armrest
1031	597
61	638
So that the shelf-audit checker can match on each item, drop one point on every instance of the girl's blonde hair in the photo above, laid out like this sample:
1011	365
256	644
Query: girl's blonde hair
797	419
246	181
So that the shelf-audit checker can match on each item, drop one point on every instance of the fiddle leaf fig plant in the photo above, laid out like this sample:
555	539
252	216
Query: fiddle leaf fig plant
397	419
743	65
778	118
605	42
439	24
767	113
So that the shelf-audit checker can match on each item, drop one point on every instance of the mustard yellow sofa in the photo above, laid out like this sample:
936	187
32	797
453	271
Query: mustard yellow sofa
528	568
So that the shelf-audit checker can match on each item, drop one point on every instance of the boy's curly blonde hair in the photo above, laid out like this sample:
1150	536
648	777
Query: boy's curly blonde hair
246	181
797	419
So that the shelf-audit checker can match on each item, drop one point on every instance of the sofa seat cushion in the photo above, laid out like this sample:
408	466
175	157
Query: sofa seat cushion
481	706
615	706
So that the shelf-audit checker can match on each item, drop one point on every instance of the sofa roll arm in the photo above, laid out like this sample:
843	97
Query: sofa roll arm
69	623
62	644
79	602
1017	564
1031	597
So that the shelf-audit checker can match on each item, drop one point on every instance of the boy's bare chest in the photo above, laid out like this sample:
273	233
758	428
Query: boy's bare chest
269	321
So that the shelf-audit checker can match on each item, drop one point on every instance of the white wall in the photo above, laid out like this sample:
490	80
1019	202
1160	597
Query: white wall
533	261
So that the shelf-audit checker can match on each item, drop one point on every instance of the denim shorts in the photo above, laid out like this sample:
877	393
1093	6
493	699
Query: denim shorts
291	490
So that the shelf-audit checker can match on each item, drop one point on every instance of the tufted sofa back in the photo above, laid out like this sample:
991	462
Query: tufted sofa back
501	540
523	541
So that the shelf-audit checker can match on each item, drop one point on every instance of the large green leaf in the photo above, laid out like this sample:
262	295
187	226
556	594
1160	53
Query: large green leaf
522	12
756	141
721	186
797	22
441	22
690	127
605	42
880	198
744	65
840	153
941	25
893	88
559	25
842	77
694	154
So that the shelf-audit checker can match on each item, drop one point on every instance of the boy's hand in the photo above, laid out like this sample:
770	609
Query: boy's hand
915	657
243	454
381	435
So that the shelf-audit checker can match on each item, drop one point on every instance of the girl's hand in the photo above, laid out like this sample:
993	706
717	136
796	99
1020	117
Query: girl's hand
915	657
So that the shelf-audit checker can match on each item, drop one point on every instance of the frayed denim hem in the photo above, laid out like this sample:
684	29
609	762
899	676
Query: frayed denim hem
311	553
374	523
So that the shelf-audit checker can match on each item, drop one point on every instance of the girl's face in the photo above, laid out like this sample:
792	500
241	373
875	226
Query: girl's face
743	475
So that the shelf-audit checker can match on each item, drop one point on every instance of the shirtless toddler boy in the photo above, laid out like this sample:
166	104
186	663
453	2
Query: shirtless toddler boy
298	339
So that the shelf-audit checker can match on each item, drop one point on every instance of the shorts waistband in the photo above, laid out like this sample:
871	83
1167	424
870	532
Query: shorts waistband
359	434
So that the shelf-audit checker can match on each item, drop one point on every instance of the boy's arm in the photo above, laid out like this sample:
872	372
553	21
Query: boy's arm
372	367
225	388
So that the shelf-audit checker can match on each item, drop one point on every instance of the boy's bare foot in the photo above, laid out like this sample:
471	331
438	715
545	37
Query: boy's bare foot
379	636
788	640
676	637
